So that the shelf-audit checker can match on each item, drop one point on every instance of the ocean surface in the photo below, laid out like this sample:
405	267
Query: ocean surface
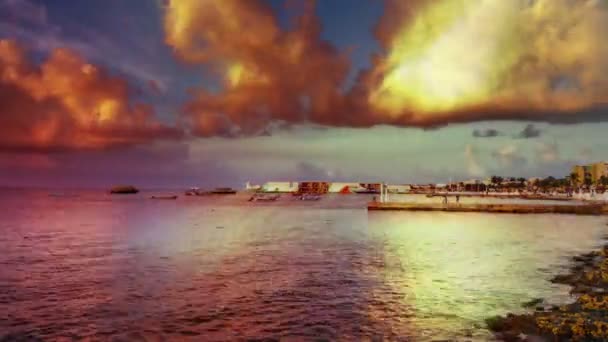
87	265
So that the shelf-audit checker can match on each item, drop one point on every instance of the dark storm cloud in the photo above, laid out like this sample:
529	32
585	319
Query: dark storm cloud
530	131
486	133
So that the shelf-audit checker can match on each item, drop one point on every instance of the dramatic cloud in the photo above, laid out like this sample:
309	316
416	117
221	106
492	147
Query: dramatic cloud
443	61
469	60
268	74
487	133
67	103
29	23
530	131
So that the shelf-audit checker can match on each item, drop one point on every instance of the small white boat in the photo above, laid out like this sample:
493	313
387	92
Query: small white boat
309	197
193	192
264	198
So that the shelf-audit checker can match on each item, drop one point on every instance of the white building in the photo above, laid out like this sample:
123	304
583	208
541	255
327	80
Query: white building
280	187
250	187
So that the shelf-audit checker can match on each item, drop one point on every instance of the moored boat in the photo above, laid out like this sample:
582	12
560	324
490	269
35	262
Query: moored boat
172	197
124	189
216	191
309	197
192	192
367	191
223	191
264	198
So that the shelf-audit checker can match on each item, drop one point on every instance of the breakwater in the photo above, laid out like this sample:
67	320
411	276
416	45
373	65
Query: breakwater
510	208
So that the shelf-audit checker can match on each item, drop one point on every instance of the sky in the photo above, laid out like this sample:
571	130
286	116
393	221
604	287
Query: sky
179	93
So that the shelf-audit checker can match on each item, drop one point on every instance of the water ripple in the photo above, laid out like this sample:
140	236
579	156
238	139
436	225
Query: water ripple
137	270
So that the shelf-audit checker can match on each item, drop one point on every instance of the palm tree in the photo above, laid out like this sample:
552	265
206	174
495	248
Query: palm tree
499	180
588	182
574	178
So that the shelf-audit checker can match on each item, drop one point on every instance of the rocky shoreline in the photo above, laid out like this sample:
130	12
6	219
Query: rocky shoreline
584	320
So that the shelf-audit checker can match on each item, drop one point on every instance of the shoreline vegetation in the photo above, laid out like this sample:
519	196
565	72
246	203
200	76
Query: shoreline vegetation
586	319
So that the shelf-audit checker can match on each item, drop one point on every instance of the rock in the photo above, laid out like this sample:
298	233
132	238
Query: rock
578	268
563	279
532	303
583	320
581	289
496	323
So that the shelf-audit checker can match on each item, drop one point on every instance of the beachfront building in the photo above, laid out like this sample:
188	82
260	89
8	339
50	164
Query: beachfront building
314	187
442	187
280	187
252	187
475	185
590	174
599	170
583	174
344	187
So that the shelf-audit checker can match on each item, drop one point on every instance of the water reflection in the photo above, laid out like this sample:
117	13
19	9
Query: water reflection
456	269
187	269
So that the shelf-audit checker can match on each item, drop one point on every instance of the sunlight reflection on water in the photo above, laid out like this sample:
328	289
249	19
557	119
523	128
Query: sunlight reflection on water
226	269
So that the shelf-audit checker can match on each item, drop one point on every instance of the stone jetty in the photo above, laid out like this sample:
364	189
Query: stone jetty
506	208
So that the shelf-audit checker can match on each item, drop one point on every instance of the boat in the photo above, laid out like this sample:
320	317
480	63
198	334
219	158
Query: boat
192	192
124	189
309	197
173	197
264	198
61	194
367	191
223	191
216	191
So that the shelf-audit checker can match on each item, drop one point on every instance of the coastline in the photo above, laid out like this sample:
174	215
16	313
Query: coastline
586	319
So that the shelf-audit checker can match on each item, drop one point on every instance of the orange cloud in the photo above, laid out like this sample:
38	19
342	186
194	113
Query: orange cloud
67	103
450	61
443	61
269	74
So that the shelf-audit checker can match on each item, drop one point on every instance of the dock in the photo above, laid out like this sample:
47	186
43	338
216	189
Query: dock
503	196
579	209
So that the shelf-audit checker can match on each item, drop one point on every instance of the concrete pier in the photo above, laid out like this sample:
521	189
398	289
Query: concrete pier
580	209
503	196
